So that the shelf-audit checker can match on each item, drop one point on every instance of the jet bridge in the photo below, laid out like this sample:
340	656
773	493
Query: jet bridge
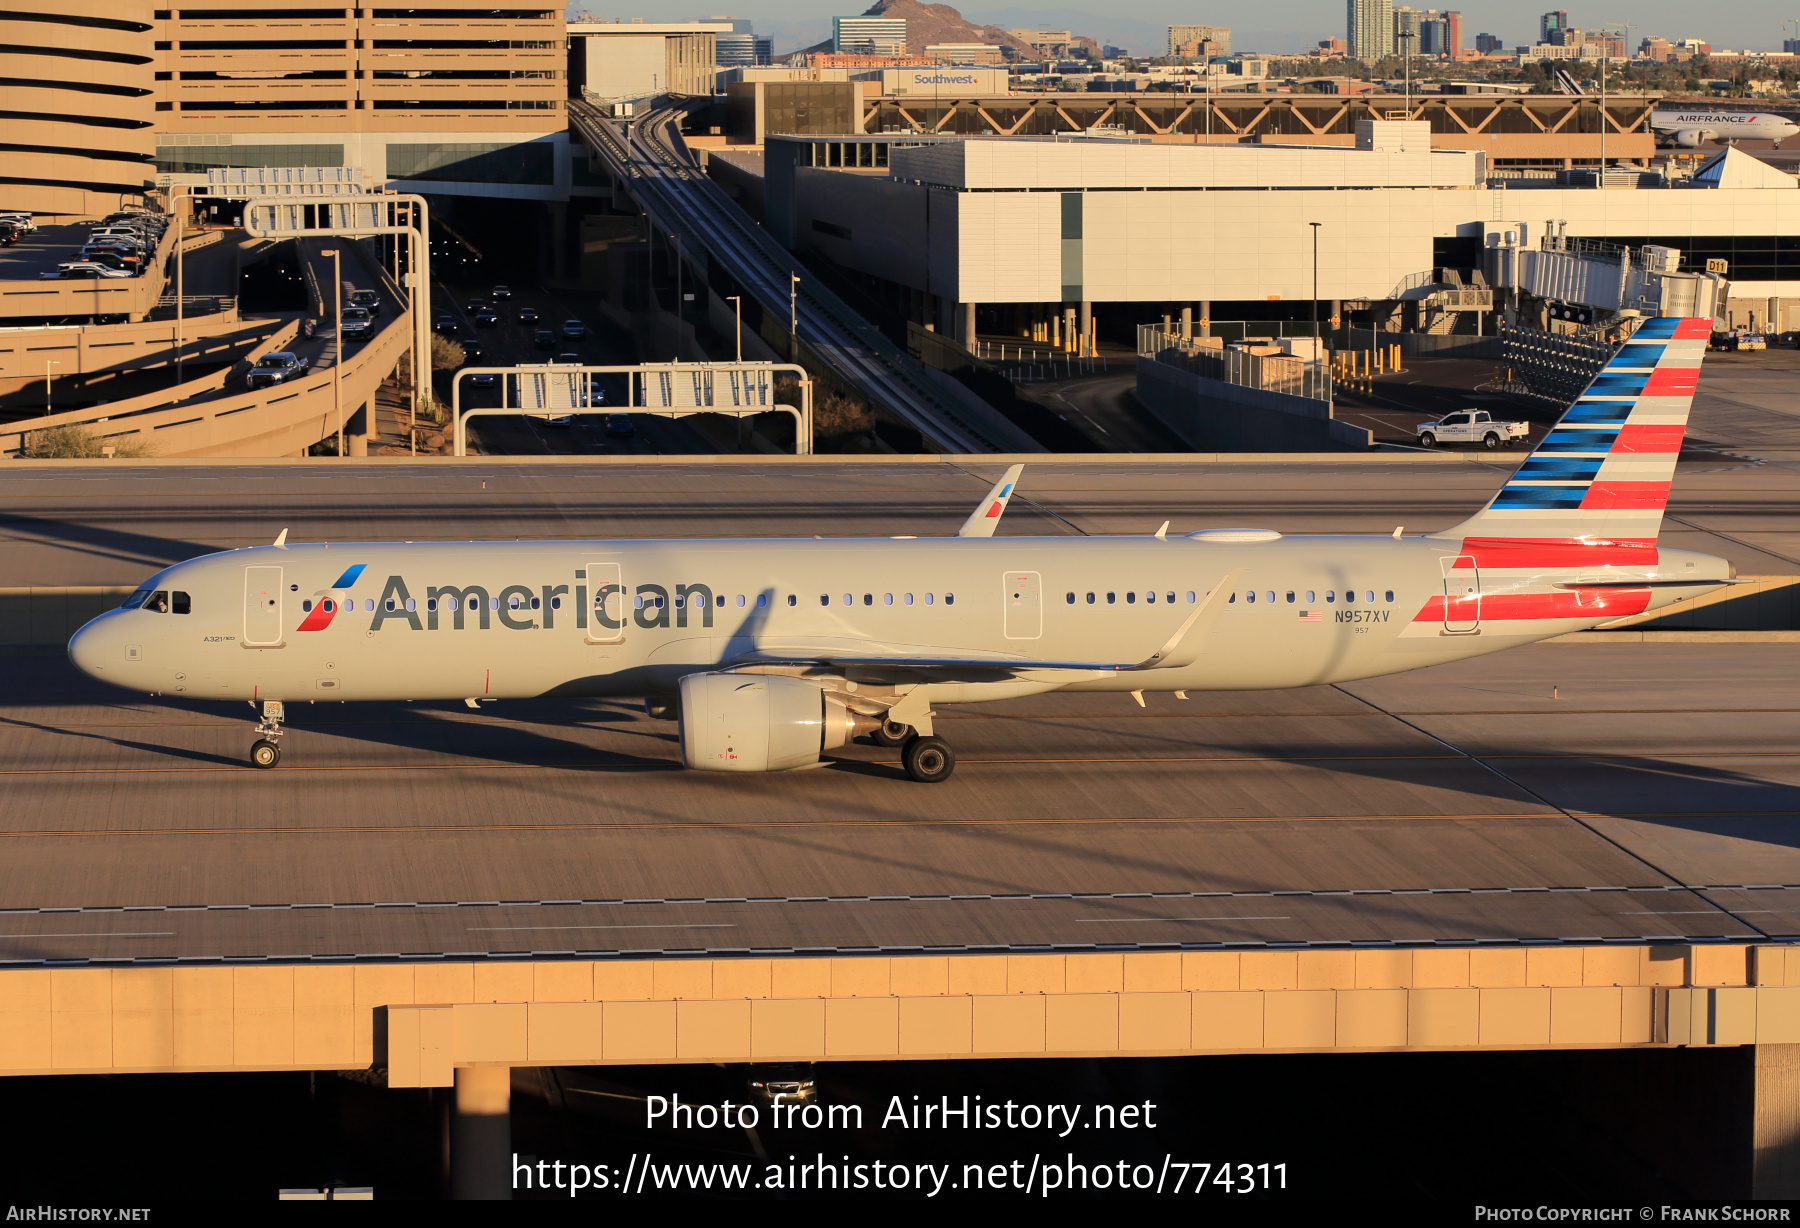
1577	272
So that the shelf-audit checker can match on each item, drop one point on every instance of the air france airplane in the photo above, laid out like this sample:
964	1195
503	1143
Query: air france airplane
773	652
1691	126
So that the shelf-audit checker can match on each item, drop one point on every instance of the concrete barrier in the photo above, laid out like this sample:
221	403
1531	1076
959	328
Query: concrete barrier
1211	413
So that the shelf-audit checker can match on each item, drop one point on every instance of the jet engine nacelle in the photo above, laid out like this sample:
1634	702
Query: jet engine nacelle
761	722
1690	138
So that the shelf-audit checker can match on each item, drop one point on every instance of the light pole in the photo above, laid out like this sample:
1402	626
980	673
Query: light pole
1315	295
48	363
337	353
180	365
737	311
794	314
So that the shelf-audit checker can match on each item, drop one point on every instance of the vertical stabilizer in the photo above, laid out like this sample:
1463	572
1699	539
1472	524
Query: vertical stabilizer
1598	482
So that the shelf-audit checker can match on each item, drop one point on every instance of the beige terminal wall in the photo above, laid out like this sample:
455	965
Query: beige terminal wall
422	1020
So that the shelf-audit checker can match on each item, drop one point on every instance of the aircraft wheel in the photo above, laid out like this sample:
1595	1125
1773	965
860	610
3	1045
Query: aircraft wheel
264	753
892	733
1428	440
929	760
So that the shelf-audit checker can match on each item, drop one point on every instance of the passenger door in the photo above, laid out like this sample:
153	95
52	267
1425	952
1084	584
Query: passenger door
1456	428
606	602
1462	595
1022	597
262	607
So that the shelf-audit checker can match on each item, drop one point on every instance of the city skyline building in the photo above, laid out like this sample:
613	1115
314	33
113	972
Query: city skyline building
869	35
1220	36
1370	26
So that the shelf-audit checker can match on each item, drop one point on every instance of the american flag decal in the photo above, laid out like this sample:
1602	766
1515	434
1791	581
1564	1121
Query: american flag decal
1311	616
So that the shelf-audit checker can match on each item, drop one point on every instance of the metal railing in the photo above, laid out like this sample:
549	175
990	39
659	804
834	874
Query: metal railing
1291	375
1556	368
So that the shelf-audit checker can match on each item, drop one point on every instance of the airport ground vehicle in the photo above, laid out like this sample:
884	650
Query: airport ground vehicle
1471	426
773	652
277	368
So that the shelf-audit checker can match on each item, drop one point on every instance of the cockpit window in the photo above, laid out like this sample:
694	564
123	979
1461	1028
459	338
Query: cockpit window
158	601
136	599
181	603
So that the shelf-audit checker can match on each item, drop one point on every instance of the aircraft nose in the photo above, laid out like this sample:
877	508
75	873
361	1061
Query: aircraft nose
88	649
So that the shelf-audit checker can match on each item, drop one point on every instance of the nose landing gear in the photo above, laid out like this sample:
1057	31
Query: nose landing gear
265	752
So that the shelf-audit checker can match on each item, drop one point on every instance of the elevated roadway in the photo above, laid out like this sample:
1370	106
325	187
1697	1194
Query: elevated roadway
650	157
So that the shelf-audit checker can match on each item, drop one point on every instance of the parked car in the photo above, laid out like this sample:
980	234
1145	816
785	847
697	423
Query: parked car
21	220
1471	426
446	325
501	294
277	368
10	233
544	339
620	426
574	329
487	317
356	324
75	269
368	300
528	315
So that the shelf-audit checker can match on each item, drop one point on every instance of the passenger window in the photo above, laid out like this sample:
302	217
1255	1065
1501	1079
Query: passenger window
868	598
908	599
793	600
1250	596
1172	598
680	602
887	599
181	604
638	601
305	607
1150	597
1309	597
534	602
1071	598
1390	596
1290	596
430	604
824	598
555	603
1112	598
848	600
1231	600
1130	598
1330	595
390	605
928	598
1369	595
368	605
659	603
1190	596
1090	599
949	598
1271	596
1349	595
512	603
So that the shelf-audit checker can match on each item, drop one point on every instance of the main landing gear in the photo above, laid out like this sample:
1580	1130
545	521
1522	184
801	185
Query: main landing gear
928	760
891	733
265	752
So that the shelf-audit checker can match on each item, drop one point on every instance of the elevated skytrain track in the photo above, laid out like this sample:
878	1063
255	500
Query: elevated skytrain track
649	155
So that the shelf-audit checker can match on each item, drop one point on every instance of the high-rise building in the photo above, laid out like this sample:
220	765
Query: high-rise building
1487	44
1371	28
869	35
1551	27
1218	35
1433	36
1791	45
1453	35
1406	29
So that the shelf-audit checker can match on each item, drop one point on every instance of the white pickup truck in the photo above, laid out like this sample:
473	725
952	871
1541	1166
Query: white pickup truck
1471	426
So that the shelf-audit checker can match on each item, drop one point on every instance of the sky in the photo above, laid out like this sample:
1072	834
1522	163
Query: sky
1755	25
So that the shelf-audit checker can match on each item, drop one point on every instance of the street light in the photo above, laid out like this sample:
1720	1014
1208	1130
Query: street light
793	314
48	363
1315	297
737	311
337	353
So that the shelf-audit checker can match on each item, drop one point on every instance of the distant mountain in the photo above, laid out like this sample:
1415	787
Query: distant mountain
929	24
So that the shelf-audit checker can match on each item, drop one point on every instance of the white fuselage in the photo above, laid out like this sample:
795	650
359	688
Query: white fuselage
1692	125
519	619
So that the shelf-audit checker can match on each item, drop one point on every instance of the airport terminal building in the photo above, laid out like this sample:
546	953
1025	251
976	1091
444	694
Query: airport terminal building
971	222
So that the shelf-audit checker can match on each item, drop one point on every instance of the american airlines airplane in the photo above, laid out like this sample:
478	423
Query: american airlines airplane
773	652
1692	126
